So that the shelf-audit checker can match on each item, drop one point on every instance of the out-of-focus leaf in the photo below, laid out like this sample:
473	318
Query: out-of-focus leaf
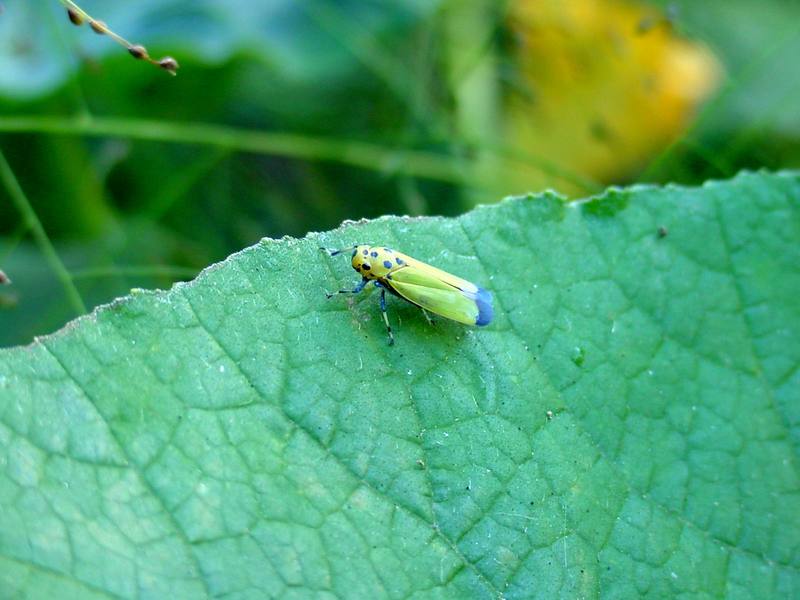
755	119
36	304
627	426
756	43
601	86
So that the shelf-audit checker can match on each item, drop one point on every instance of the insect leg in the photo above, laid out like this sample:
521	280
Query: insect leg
428	317
385	318
355	290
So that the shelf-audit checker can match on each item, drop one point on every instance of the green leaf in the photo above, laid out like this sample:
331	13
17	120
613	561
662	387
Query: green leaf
628	426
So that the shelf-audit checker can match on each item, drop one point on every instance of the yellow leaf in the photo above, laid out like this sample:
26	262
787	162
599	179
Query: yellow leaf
602	86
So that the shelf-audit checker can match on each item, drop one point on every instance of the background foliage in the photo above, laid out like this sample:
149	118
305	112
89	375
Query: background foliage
292	116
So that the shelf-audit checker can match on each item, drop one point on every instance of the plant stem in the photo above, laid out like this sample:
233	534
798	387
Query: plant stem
30	218
414	163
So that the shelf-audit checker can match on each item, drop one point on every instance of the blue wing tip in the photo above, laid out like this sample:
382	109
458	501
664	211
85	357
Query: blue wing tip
485	311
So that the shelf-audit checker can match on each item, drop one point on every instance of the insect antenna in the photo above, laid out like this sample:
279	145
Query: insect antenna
335	252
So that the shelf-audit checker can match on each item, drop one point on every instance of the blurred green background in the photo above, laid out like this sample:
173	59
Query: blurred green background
289	116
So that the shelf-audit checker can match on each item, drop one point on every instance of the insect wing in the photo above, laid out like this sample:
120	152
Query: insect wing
421	273
421	286
451	304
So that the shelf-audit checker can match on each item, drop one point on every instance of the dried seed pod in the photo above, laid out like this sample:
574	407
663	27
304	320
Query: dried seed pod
99	27
169	64
138	52
75	16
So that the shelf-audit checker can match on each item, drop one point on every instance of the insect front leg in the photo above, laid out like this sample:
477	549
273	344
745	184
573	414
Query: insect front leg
355	290
383	312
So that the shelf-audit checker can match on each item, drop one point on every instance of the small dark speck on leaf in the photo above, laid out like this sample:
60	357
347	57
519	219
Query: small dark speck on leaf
663	232
578	356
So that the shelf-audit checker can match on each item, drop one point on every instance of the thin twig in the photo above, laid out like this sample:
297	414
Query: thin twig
78	16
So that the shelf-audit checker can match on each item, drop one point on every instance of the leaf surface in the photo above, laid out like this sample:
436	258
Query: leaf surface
628	426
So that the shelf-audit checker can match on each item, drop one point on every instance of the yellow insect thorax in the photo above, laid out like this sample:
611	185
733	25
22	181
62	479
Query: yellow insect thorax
375	262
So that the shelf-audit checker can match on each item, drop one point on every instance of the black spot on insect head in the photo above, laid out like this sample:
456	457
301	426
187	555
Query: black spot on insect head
387	264
374	254
365	266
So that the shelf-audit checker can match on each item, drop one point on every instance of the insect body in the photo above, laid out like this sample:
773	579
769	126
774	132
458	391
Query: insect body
420	284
